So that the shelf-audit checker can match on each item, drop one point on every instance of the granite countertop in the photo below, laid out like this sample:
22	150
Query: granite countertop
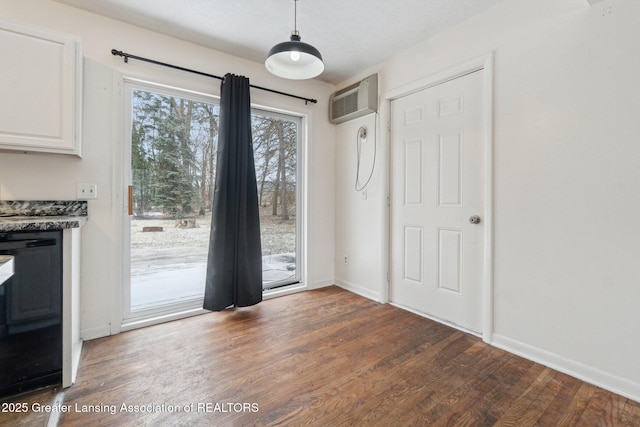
40	223
37	215
6	268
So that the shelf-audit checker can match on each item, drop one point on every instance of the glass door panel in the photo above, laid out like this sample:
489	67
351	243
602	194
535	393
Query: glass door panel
173	141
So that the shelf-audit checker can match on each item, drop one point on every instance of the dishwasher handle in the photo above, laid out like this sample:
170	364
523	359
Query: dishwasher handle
37	243
31	243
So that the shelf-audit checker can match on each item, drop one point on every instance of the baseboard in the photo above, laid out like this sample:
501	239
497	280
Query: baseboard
597	377
322	284
351	287
93	333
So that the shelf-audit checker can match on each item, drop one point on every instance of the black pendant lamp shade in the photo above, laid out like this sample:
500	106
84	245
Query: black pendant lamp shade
294	59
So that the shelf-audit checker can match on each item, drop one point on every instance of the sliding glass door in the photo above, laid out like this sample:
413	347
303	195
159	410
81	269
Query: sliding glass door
275	144
172	155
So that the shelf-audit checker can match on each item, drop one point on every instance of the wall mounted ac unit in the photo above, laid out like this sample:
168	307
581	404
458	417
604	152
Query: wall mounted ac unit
354	101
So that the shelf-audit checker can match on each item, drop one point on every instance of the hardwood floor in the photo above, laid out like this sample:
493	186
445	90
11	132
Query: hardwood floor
319	358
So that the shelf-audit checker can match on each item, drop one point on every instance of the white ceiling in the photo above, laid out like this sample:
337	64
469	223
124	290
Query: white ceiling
351	35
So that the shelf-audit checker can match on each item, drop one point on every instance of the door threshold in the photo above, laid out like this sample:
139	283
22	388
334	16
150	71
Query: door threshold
132	324
438	319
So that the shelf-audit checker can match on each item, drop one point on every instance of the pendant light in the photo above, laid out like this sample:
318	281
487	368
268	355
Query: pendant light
294	59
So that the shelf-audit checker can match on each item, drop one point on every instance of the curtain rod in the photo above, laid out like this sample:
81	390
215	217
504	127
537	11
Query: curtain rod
126	57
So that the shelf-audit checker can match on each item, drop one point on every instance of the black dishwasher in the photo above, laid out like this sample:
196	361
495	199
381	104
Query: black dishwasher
31	312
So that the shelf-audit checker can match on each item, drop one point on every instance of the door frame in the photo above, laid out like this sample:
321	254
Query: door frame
486	63
121	179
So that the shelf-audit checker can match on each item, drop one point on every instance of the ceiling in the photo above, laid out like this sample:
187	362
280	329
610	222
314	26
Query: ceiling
351	35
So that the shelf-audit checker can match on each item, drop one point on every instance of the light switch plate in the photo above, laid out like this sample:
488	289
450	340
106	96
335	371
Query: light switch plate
86	191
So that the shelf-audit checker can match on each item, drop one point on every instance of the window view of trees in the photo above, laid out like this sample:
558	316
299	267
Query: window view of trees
173	151
173	162
173	154
274	144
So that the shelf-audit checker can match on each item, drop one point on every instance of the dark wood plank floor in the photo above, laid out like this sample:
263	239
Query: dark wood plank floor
320	358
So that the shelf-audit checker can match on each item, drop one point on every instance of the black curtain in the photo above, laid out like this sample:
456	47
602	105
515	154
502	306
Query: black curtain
234	268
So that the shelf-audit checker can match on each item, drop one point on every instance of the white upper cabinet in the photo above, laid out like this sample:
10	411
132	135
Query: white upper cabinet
40	90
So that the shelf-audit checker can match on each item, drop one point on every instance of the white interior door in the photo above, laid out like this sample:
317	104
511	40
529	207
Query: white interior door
437	158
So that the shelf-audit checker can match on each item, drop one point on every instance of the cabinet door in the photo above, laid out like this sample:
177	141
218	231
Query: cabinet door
40	88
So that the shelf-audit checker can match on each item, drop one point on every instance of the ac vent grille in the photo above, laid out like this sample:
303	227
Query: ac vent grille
354	101
346	105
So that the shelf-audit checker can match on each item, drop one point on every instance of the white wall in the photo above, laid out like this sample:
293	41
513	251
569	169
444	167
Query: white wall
359	221
567	174
34	176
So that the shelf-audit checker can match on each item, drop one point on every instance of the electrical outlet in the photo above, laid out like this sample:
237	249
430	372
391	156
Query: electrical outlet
364	194
346	259
362	135
85	191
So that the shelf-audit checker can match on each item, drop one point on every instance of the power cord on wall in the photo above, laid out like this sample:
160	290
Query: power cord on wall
361	136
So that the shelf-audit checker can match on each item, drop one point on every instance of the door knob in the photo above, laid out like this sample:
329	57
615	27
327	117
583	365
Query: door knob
475	219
